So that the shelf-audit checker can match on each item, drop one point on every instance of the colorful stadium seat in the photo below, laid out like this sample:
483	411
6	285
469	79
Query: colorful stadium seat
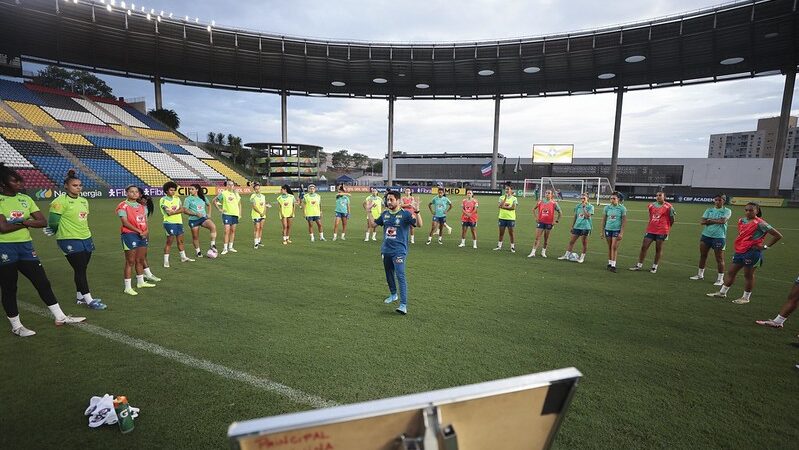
17	92
138	166
34	114
122	144
6	117
158	135
168	165
203	169
226	171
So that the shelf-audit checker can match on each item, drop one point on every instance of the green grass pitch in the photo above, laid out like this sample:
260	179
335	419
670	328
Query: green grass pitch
664	366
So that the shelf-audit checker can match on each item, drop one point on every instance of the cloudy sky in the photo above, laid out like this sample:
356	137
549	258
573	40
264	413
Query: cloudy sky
674	122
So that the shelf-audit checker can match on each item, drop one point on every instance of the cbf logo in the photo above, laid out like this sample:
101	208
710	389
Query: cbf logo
83	215
44	193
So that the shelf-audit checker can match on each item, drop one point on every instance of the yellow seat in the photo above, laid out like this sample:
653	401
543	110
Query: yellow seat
138	166
34	115
69	138
226	171
122	129
20	134
158	135
6	117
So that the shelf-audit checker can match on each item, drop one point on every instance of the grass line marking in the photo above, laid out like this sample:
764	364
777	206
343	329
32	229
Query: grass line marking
266	384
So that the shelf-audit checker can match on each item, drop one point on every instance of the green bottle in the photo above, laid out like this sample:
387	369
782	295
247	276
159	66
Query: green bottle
125	419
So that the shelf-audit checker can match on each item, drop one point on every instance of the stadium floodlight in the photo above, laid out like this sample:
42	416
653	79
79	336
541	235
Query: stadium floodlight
122	5
196	20
338	83
634	58
161	13
485	73
152	11
158	17
213	23
208	28
108	7
170	15
380	81
129	13
422	86
112	2
531	69
148	16
606	76
102	1
731	61
186	19
513	413
75	1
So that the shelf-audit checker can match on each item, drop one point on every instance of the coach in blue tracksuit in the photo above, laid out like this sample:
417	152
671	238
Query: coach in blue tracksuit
396	223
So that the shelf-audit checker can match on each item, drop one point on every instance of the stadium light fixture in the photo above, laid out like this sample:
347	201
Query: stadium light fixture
771	35
152	11
159	18
422	86
170	15
634	58
102	1
531	69
731	61
148	16
133	6
485	73
338	83
606	76
129	13
196	20
122	5
380	81
108	7
75	1
161	13
186	19
208	28
213	23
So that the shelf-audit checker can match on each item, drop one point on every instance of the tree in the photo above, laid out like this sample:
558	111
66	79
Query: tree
341	159
359	161
78	81
378	167
220	138
167	116
211	137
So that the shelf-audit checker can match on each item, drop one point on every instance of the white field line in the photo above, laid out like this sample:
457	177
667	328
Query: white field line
266	384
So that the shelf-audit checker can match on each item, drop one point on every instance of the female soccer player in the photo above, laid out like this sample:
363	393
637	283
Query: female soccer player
411	204
18	213
661	218
469	218
442	205
544	213
69	222
714	235
342	213
373	205
614	219
786	310
258	213
396	224
287	203
749	246
173	222
228	202
196	206
312	208
581	228
507	218
134	232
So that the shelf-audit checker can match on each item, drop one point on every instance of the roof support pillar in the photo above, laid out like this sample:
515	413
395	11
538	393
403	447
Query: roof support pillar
614	156
782	131
159	104
495	154
390	172
284	126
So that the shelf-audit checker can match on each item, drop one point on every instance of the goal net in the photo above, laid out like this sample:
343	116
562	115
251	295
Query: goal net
569	189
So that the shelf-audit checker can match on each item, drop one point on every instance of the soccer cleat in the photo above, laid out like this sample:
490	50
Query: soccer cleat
636	268
449	229
531	255
544	253
429	242
719	283
224	252
374	238
199	254
402	309
440	242
461	245
187	260
284	242
344	239
260	244
23	332
153	278
497	248
512	250
741	301
717	294
653	270
612	269
236	251
581	260
391	299
696	277
97	304
366	239
565	256
288	241
769	323
166	265
130	292
68	319
474	245
609	266
322	239
255	246
144	285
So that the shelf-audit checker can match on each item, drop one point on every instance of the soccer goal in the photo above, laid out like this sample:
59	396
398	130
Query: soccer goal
569	189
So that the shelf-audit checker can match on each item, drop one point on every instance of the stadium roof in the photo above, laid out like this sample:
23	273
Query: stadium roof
736	40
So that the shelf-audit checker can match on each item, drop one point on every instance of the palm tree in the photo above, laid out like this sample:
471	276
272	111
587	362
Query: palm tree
211	137
167	116
220	138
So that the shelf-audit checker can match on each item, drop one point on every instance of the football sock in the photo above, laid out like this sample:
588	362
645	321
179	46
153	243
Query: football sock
321	235
779	319
183	254
374	235
127	284
655	266
613	263
139	279
639	265
513	246
166	258
724	289
147	272
610	263
15	322
78	296
367	235
701	272
224	248
499	244
312	238
56	310
88	298
720	277
747	295
213	243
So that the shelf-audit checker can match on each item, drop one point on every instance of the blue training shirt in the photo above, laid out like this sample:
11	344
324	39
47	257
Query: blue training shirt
396	229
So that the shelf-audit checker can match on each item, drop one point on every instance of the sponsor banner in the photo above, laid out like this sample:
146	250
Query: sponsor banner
690	199
669	198
183	191
762	201
47	194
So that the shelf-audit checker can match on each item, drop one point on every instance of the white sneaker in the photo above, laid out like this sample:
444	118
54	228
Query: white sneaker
428	242
335	237
166	265
566	256
322	239
719	283
233	250
531	255
374	238
186	260
461	245
543	253
581	260
497	248
474	245
696	277
224	252
717	294
769	323
68	319
153	278
449	229
23	332
343	238
512	250
653	270
367	239
741	301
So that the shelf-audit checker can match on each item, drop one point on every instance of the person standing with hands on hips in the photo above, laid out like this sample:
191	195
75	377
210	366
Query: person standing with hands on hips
581	228
544	213
396	223
439	206
507	218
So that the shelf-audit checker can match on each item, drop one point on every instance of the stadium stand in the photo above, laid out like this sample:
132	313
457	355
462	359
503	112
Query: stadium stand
175	149
34	114
12	157
122	144
6	117
144	118
158	135
201	168
138	166
123	130
226	171
17	92
122	115
20	134
167	164
99	113
70	115
197	151
89	128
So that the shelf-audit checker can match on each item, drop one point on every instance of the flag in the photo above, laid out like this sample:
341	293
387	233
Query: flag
518	165
486	170
504	162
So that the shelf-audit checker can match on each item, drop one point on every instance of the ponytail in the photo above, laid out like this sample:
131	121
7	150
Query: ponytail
200	192
756	205
71	175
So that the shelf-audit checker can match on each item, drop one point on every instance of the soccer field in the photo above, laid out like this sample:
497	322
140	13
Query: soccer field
289	328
